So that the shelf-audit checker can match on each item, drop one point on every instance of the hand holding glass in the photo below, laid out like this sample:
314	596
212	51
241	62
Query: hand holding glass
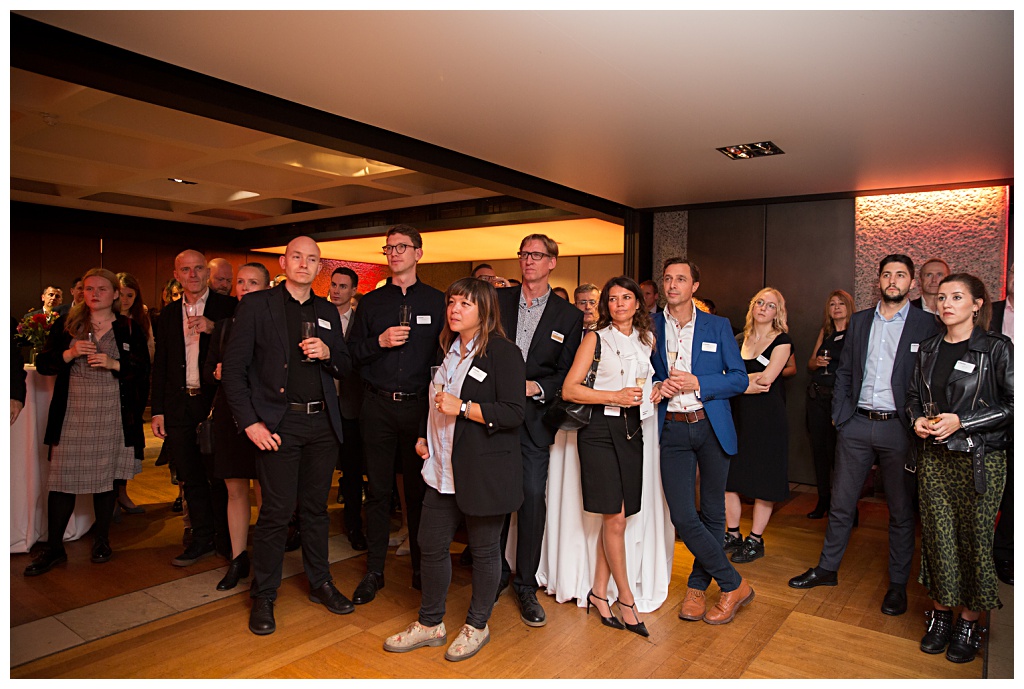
308	331
825	354
642	371
404	315
437	378
191	310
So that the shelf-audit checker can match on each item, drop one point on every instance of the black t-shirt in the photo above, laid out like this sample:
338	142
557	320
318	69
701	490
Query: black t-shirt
303	378
946	359
834	344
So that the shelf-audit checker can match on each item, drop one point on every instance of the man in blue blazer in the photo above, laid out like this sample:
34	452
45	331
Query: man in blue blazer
697	368
280	386
868	411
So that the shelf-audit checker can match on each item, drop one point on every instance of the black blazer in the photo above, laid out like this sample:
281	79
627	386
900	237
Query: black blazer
350	390
548	360
169	397
486	458
998	310
133	353
254	374
850	374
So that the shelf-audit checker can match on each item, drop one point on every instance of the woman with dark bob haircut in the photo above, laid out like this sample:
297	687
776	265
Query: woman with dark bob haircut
472	464
961	403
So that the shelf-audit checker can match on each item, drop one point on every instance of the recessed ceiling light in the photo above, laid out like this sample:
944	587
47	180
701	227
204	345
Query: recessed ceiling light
180	181
755	150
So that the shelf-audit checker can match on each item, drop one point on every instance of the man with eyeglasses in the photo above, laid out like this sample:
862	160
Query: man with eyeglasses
546	331
395	363
585	298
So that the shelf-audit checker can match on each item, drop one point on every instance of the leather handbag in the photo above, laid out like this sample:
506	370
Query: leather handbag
572	416
204	434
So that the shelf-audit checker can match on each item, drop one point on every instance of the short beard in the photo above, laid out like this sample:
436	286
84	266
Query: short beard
894	300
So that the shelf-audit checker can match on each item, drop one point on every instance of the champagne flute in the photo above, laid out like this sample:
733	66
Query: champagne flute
438	381
191	310
642	371
672	358
825	354
404	315
308	331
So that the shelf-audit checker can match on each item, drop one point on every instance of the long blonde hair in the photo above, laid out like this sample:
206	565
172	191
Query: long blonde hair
77	324
778	322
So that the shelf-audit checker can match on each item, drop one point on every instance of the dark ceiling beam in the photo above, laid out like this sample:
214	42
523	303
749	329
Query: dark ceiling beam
44	49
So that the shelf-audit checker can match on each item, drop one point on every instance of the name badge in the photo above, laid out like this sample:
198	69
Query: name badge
126	348
914	346
323	324
965	366
423	320
557	336
761	360
839	337
646	410
477	375
709	346
612	411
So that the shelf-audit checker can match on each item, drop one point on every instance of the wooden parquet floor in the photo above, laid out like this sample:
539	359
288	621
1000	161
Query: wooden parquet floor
785	633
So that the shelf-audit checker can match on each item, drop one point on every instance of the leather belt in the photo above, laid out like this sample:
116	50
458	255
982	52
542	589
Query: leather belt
308	407
193	392
393	396
687	416
876	415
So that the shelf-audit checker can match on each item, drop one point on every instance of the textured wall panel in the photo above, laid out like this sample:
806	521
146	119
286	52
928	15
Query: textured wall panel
670	233
966	227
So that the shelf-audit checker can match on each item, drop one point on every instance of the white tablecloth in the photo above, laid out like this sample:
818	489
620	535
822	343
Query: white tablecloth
30	471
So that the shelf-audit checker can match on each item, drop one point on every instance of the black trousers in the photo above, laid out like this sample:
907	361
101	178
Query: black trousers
823	443
1002	547
299	472
352	467
207	496
531	515
390	429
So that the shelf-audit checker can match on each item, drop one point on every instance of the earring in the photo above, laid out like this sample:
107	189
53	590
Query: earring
975	316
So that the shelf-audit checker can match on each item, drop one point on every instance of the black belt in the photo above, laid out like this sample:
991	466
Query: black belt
394	396
193	392
308	407
877	415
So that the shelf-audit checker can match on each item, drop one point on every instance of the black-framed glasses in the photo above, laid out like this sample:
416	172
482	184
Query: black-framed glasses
396	248
535	255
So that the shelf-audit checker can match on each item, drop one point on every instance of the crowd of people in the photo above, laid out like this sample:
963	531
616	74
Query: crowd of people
607	425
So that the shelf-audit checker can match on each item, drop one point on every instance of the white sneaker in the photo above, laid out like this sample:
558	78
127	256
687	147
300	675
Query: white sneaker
416	636
398	537
403	549
467	643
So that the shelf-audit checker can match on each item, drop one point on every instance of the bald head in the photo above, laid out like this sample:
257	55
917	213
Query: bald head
191	271
220	275
300	262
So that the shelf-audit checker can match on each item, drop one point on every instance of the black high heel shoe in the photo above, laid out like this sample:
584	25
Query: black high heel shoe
238	569
612	621
819	511
637	628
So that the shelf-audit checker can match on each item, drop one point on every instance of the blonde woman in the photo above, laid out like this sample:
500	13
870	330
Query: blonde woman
760	468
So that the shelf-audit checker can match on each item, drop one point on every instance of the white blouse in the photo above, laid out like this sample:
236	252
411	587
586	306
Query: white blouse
437	468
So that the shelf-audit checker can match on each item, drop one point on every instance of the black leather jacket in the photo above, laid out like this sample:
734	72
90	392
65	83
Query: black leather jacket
983	398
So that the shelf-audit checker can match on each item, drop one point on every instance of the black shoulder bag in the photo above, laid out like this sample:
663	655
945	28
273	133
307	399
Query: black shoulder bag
571	416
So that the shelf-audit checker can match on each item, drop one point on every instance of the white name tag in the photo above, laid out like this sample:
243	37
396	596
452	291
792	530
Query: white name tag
557	336
839	337
477	374
709	346
965	366
914	346
323	324
646	410
762	360
423	320
126	348
612	411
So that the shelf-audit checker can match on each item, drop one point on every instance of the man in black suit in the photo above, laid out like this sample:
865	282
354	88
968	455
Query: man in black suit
931	274
868	410
180	401
547	332
1002	546
51	298
77	297
649	288
279	383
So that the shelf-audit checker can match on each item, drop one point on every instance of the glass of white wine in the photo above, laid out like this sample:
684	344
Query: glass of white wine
437	378
672	358
642	371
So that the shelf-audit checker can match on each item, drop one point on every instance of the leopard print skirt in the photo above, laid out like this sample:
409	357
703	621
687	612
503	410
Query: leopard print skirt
957	527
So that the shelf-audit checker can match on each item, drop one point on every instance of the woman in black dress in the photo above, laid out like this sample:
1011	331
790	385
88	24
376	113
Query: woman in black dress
611	446
234	455
760	468
961	401
823	364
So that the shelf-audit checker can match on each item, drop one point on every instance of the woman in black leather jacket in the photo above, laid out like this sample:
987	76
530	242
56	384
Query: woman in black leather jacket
967	374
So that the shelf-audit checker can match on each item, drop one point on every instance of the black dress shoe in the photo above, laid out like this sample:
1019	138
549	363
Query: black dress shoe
502	585
466	559
238	569
330	597
368	587
261	617
357	540
895	601
195	552
1004	570
814	577
176	506
101	551
45	561
294	541
530	611
819	510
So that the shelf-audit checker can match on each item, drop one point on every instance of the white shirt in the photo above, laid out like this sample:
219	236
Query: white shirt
1008	320
192	340
680	340
620	356
437	469
346	321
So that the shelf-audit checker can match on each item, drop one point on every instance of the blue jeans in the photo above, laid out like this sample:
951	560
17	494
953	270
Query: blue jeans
684	447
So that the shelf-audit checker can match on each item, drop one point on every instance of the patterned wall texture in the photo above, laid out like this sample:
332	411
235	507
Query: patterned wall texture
369	275
669	238
966	227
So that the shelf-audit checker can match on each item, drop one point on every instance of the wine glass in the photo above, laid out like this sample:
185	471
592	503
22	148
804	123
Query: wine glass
308	331
826	354
436	379
672	358
643	369
404	315
191	310
931	412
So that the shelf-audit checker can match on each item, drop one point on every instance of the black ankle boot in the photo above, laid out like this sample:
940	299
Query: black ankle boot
238	569
939	629
965	641
819	510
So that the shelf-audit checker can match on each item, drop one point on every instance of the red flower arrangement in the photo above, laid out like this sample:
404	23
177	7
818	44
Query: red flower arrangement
34	327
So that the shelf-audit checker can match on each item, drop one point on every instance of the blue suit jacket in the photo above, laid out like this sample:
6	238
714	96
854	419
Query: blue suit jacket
721	372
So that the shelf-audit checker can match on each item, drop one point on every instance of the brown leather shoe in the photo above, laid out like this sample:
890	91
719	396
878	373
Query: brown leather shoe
728	603
694	605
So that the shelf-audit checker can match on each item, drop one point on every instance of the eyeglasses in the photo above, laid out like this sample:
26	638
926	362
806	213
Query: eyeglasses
535	255
396	248
587	302
770	305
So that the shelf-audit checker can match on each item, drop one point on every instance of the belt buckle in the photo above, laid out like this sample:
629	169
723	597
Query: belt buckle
396	396
310	407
